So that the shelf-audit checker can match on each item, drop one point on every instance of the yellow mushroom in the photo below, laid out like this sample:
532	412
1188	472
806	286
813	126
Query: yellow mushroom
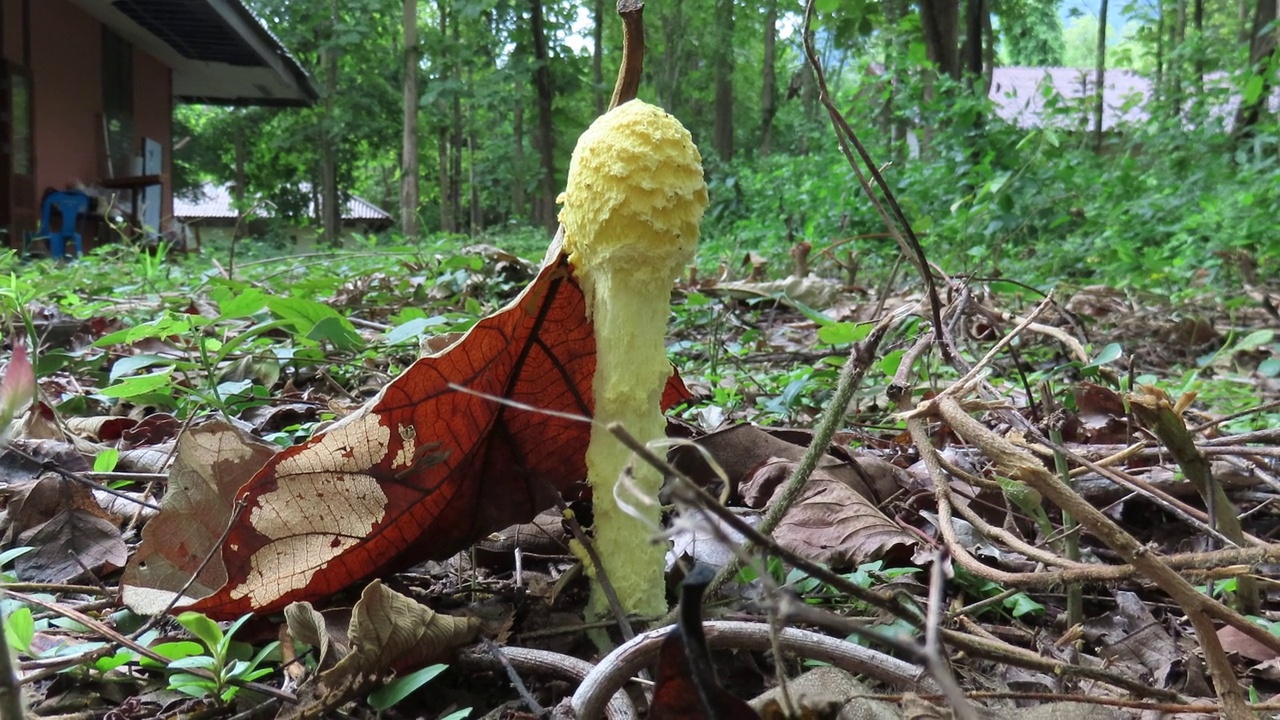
634	198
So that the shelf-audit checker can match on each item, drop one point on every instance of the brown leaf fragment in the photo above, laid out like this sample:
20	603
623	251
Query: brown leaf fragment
68	545
389	633
742	448
214	458
326	634
100	428
830	522
154	429
37	500
1133	639
1234	641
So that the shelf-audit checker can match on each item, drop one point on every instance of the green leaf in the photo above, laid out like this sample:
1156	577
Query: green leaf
139	385
106	460
339	332
129	365
20	629
400	688
1108	354
412	329
173	651
1267	368
202	627
844	333
1252	89
243	304
1255	340
458	715
193	685
205	662
1020	604
12	554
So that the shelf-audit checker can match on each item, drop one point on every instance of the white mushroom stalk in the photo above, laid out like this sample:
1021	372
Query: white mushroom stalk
634	199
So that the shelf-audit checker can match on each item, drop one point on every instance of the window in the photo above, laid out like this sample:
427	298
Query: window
117	101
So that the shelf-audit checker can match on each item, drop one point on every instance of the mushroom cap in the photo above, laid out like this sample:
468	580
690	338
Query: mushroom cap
635	194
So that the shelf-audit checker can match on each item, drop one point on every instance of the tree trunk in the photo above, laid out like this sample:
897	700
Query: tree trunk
939	21
456	138
669	65
1262	47
1197	20
769	92
1099	77
545	137
722	66
447	224
517	153
409	157
1176	68
448	216
597	58
330	213
973	12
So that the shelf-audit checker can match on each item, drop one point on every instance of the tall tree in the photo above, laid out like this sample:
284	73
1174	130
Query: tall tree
1032	31
769	76
544	138
1262	51
445	61
940	23
1100	76
330	214
722	67
409	155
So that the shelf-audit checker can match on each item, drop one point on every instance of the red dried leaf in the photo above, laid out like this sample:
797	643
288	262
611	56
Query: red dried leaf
423	470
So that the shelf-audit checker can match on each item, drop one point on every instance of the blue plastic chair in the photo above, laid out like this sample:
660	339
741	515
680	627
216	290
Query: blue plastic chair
71	205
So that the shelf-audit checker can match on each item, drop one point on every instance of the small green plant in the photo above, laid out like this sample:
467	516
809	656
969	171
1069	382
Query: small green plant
402	687
228	663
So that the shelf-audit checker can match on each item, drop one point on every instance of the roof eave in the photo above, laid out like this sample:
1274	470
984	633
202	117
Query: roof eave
272	52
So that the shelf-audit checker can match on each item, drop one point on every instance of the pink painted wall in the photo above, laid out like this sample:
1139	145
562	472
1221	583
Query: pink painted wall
67	82
153	114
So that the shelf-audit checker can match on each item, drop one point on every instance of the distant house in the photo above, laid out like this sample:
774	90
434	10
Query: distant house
210	214
90	86
1022	95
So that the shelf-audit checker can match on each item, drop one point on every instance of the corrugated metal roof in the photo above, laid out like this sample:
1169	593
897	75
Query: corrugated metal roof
215	201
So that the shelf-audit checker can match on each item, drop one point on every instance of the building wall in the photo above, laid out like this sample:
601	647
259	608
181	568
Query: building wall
67	90
67	79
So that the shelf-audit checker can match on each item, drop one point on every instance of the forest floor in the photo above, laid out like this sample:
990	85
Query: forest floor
927	555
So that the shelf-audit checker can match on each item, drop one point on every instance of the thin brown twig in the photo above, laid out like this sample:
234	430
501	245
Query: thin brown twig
514	677
901	229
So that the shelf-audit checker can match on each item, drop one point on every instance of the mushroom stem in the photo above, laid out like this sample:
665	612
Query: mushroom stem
632	205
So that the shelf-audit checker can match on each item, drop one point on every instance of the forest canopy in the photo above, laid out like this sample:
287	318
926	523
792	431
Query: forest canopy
498	91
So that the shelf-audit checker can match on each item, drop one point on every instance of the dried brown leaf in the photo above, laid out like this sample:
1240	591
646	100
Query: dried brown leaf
214	458
389	632
69	544
830	522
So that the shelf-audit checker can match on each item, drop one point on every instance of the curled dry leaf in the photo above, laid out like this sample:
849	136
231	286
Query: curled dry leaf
423	470
100	428
388	633
214	458
830	522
